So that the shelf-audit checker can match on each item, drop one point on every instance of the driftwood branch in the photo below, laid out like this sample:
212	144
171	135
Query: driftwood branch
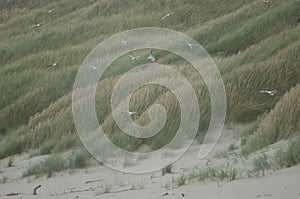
12	194
36	188
91	181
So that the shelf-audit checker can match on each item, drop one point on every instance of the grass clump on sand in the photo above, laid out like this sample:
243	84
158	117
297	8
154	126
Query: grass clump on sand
79	159
224	153
56	163
10	162
217	173
260	165
167	169
283	158
3	179
179	181
290	156
51	164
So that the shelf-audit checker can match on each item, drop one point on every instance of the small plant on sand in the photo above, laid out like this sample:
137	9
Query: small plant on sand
231	147
3	180
232	172
107	188
10	162
179	181
224	153
79	159
167	169
167	186
260	165
137	186
221	154
243	141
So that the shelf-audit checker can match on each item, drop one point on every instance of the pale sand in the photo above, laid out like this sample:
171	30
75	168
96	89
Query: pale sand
280	184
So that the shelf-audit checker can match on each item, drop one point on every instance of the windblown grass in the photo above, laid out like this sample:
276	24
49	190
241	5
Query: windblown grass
167	169
282	122
56	163
290	156
247	39
51	164
221	173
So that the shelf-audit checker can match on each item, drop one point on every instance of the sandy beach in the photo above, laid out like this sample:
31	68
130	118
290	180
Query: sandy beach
98	181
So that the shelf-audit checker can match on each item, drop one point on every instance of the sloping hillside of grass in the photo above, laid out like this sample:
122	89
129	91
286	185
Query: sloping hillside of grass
282	122
255	45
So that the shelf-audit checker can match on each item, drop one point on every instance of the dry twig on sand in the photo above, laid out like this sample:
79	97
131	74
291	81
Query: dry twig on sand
36	188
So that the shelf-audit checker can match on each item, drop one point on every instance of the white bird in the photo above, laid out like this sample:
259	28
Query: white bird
265	1
124	41
134	58
37	25
52	65
151	57
94	68
50	10
166	15
131	113
271	92
190	45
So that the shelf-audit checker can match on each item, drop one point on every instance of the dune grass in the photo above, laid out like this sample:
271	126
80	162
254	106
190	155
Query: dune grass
282	158
167	169
290	156
51	164
247	39
54	163
281	122
221	173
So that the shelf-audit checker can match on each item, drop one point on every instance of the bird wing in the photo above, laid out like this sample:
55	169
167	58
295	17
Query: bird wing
163	17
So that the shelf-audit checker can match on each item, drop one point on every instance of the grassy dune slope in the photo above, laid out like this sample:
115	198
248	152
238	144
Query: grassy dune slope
255	45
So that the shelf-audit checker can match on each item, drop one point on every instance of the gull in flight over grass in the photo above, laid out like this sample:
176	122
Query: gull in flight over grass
265	1
166	15
190	45
134	58
37	25
50	10
124	41
271	92
151	57
94	68
52	65
131	113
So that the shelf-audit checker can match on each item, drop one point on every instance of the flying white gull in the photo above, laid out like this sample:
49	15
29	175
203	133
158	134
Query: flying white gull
52	65
50	10
131	113
151	57
124	41
190	45
37	25
166	15
265	1
271	92
134	58
94	68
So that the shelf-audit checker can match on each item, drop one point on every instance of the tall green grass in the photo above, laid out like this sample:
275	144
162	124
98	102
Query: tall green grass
247	39
282	122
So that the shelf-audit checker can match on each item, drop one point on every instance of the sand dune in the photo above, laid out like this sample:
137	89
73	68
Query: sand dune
102	182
